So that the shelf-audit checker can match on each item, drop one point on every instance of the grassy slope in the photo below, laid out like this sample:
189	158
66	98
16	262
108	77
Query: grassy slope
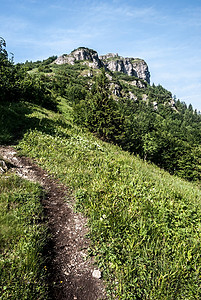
145	224
22	238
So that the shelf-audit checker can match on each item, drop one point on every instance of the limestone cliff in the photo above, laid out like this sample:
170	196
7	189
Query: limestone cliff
80	54
131	66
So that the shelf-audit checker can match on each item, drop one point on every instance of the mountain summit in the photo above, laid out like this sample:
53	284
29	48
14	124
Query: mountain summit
131	66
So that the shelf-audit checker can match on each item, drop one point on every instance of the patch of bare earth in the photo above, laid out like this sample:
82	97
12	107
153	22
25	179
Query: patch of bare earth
69	268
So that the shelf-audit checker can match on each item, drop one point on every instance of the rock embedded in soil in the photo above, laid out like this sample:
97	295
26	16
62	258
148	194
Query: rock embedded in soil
96	274
3	167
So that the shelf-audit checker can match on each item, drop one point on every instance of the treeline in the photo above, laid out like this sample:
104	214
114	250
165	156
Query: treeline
168	136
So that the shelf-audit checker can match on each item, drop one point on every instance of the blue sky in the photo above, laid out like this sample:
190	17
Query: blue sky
166	34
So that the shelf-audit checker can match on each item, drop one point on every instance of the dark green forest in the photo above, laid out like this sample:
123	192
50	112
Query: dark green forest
159	128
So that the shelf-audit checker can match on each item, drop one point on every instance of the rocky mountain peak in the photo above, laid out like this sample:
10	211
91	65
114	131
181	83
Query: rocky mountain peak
80	54
131	66
109	55
112	61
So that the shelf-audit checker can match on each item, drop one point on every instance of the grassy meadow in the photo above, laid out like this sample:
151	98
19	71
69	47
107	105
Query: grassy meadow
23	236
145	225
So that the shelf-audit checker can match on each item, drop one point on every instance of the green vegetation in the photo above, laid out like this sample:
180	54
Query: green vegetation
168	136
135	60
45	63
16	84
113	58
144	223
22	239
122	76
99	112
160	130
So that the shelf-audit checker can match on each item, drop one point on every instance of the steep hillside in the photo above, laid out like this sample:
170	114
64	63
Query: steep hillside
113	62
117	107
125	109
144	223
76	121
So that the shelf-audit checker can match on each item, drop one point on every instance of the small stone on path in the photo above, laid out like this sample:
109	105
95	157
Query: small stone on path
96	274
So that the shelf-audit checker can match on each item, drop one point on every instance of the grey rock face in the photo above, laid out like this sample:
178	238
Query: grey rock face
138	83
111	61
129	66
132	96
83	54
142	70
109	55
3	167
116	89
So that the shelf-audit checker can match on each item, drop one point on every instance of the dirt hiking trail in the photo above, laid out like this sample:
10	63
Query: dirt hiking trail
70	272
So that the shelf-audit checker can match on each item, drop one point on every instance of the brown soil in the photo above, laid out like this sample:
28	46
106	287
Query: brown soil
70	271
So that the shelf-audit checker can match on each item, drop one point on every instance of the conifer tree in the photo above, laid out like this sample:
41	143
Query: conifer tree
99	111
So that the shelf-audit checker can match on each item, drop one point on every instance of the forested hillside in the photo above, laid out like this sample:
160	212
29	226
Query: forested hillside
142	119
127	150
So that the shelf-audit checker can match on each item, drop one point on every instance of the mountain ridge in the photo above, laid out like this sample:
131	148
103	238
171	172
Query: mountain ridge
112	61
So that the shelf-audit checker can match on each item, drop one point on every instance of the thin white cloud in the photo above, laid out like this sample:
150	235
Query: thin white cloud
146	14
12	24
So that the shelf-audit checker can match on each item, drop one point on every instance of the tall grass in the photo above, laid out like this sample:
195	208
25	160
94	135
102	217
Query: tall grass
22	238
144	224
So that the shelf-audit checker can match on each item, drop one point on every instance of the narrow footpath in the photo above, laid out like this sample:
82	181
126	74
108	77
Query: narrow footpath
71	273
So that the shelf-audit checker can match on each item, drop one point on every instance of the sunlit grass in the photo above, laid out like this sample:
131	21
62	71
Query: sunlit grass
22	238
144	224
